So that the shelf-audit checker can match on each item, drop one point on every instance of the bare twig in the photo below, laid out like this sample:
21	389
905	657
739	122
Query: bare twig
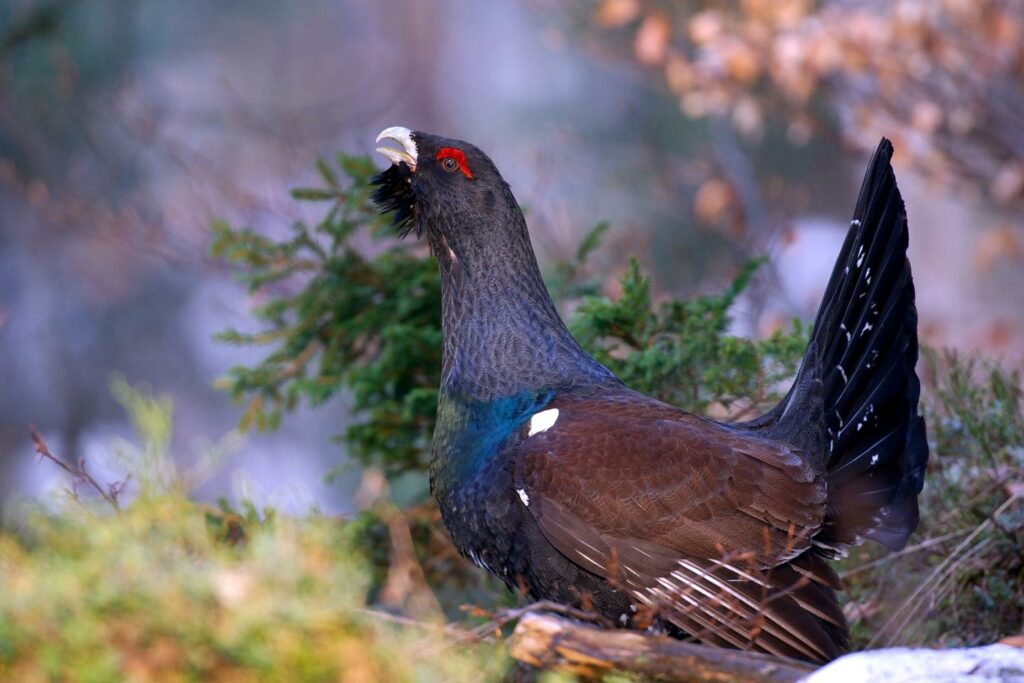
505	616
78	471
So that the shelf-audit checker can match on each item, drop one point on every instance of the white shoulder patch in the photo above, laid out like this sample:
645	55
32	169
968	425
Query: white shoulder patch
543	421
523	496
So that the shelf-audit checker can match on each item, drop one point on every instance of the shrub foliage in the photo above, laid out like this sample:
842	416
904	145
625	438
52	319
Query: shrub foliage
338	320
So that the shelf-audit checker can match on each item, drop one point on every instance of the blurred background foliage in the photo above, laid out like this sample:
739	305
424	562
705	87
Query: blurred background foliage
941	79
698	136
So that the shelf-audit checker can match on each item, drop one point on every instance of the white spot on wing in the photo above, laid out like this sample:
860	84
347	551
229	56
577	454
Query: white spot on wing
843	373
523	496
874	459
543	421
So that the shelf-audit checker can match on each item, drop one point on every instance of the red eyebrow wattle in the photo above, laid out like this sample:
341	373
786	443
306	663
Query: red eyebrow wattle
458	155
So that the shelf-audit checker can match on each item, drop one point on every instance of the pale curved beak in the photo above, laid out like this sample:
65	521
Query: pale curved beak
403	136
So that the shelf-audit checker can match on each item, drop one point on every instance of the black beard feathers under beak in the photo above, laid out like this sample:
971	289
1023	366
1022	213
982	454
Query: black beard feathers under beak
394	194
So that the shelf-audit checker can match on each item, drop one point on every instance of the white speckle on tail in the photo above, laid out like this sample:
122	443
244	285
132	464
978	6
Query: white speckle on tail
874	459
867	328
842	372
524	496
855	223
543	421
860	255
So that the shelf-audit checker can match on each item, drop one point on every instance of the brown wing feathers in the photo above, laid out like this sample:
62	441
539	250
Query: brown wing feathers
636	468
689	518
726	600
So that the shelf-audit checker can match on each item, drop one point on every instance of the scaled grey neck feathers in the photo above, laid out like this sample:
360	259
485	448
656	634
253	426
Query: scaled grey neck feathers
502	333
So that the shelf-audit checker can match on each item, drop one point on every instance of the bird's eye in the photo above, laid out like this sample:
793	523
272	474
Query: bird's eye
453	159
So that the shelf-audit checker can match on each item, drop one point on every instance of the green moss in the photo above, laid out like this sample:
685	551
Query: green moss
151	594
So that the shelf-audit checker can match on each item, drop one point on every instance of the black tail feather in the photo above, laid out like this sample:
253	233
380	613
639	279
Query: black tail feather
863	350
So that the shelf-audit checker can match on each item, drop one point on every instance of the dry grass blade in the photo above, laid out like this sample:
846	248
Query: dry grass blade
460	636
910	550
963	551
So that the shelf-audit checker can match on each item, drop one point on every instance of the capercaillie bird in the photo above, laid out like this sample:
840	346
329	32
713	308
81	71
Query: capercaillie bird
560	480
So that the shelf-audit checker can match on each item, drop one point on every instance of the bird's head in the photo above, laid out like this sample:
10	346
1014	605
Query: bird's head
446	188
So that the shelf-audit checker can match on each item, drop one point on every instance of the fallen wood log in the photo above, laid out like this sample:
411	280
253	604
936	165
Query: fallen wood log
547	641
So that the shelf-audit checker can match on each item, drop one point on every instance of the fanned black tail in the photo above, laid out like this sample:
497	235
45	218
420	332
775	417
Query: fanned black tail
859	374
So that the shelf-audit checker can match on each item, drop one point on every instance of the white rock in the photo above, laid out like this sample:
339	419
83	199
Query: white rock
902	665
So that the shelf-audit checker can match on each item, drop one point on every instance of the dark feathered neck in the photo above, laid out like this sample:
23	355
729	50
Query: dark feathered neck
502	334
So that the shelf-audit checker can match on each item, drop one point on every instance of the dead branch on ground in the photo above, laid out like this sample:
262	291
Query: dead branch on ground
547	641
